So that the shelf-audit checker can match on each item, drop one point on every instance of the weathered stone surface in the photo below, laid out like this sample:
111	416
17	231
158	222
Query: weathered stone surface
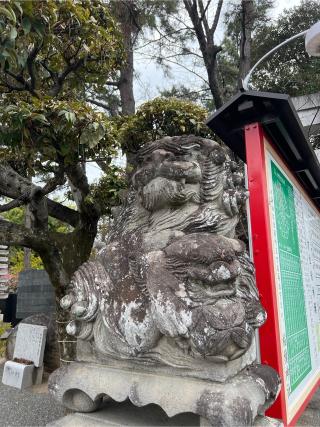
207	370
81	387
30	343
126	414
113	414
173	292
18	375
35	294
51	359
27	367
172	267
267	422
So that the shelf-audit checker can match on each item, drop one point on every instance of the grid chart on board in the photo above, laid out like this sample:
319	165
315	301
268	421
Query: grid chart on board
292	291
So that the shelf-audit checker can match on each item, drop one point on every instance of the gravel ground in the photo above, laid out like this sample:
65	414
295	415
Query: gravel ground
27	408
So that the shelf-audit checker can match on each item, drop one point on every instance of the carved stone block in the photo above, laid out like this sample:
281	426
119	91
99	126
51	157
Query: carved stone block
173	291
18	375
238	401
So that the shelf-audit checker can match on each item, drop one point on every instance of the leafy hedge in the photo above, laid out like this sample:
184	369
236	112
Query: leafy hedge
3	328
163	117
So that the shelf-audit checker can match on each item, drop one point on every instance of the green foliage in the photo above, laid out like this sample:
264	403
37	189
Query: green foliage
229	58
3	327
107	191
149	14
234	22
16	254
201	96
290	69
54	35
17	260
162	117
49	51
52	130
52	53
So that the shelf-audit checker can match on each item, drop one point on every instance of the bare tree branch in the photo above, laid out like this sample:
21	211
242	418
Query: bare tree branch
20	79
62	76
63	213
14	204
12	88
216	18
104	166
57	180
14	186
111	83
162	36
208	49
12	234
78	178
203	17
53	74
182	66
197	25
30	64
204	10
98	103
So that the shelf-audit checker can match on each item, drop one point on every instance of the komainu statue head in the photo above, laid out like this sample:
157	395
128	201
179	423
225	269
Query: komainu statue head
173	286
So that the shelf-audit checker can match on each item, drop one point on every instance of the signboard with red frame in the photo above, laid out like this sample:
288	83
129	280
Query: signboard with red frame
283	178
287	260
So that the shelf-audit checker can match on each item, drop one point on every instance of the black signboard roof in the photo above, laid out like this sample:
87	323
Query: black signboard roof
281	123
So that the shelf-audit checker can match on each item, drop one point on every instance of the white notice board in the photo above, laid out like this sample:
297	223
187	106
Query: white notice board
295	233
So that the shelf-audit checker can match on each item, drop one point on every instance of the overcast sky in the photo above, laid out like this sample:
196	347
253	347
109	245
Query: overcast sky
151	78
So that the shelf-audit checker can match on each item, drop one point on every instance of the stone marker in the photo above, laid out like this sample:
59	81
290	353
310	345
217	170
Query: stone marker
35	294
30	344
18	375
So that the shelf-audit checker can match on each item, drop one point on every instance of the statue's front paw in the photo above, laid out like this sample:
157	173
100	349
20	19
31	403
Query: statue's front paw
88	287
80	330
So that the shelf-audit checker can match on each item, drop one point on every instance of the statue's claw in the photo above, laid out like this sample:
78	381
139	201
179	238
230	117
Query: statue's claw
67	301
79	308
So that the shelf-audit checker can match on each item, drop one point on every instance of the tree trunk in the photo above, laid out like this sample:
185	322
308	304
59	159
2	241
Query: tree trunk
126	85
61	259
205	36
126	79
27	251
125	12
212	71
247	22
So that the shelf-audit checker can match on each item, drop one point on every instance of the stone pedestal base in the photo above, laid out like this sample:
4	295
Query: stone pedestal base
83	386
125	414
